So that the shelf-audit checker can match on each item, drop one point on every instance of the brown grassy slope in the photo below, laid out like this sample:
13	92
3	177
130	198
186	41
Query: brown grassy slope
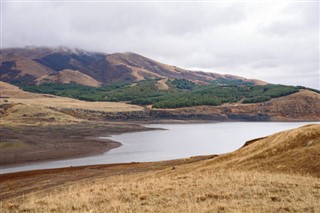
20	107
162	84
174	192
294	151
25	66
222	184
303	105
105	68
142	67
69	76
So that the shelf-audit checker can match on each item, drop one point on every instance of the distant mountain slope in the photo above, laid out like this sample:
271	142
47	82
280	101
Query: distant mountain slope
69	76
15	67
27	65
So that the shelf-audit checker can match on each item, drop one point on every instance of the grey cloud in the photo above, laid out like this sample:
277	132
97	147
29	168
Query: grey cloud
234	38
300	19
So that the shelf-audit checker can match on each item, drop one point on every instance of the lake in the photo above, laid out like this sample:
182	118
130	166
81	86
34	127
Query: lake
177	141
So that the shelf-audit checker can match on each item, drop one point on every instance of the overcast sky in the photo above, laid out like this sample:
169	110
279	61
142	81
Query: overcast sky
273	41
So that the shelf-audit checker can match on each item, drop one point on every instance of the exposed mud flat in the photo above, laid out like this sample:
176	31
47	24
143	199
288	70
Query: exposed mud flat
26	144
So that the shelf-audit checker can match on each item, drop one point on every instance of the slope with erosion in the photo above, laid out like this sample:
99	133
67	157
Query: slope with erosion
280	171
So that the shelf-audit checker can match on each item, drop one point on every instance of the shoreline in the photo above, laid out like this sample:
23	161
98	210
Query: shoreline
25	145
90	144
81	141
67	175
109	145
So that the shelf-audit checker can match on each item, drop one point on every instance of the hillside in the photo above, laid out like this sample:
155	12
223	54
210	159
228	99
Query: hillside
15	67
154	86
32	127
31	65
294	151
67	77
20	107
301	106
280	171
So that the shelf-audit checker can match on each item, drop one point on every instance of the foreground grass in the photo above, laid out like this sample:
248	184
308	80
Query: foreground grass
266	175
179	190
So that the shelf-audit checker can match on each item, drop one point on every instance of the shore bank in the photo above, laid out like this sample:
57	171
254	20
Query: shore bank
22	145
12	186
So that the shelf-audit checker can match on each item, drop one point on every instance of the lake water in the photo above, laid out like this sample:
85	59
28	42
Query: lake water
177	141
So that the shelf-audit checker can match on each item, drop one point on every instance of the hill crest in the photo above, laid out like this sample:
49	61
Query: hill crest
292	151
103	68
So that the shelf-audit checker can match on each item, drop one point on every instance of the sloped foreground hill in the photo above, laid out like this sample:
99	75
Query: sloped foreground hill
279	173
294	151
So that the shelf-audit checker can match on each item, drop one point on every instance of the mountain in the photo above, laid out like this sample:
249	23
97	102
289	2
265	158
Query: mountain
63	65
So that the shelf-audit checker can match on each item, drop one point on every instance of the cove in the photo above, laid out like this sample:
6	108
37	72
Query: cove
176	141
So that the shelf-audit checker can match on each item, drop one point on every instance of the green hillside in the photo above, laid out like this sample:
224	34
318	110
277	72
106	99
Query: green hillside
181	93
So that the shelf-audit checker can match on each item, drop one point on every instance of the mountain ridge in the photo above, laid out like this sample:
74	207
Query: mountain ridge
102	67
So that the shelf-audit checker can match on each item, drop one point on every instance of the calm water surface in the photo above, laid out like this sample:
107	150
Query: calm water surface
177	141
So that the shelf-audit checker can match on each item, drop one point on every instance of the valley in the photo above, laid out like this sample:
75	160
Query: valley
56	103
159	106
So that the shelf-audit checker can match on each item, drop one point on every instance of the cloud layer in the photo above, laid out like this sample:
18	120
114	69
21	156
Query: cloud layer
278	43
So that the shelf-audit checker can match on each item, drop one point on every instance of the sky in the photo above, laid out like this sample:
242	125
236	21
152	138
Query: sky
274	41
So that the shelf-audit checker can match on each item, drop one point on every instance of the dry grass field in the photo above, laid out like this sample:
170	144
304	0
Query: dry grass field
21	108
179	191
260	177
